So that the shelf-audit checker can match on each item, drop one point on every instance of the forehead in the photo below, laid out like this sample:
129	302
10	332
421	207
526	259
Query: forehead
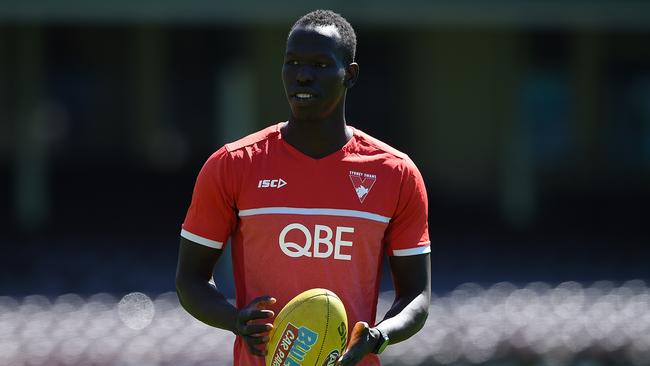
314	40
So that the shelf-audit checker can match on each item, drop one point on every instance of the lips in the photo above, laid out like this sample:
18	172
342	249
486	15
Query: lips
304	96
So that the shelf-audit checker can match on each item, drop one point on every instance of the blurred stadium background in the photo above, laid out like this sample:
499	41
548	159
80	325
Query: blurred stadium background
530	121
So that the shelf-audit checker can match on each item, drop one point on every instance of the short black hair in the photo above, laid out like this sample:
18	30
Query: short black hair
327	17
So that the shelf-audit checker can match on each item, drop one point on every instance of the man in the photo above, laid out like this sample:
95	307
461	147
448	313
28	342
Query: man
310	202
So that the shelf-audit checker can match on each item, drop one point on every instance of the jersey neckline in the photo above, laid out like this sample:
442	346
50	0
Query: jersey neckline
332	156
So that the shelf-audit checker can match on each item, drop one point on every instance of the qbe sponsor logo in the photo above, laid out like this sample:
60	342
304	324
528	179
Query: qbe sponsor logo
322	242
294	344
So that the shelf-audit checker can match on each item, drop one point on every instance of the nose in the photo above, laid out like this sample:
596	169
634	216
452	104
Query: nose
304	75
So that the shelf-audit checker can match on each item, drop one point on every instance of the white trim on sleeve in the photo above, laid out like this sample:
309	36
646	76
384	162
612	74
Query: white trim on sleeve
423	249
201	240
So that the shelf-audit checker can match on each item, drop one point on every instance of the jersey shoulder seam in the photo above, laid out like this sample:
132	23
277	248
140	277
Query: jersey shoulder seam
380	145
252	139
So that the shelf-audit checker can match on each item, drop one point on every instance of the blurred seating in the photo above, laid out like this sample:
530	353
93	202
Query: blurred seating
536	324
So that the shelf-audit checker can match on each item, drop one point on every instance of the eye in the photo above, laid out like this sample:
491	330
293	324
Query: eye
291	62
321	65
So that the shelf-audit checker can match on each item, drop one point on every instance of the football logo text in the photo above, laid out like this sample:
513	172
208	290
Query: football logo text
343	333
322	247
294	344
331	358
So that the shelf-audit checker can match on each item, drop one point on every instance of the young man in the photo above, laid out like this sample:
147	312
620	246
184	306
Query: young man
310	202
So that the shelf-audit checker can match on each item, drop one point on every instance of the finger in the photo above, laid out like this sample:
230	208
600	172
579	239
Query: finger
256	345
255	351
251	329
257	339
247	314
257	314
360	327
351	356
262	302
358	334
347	360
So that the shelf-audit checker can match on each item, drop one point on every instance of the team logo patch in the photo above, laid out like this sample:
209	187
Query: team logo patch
362	183
294	345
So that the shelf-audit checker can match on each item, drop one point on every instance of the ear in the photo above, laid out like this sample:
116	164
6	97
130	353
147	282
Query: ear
351	75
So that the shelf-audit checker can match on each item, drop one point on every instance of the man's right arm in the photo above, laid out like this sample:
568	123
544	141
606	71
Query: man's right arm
203	301
195	292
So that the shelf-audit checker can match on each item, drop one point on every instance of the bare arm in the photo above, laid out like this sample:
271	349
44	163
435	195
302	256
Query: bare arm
412	281
203	301
200	298
407	315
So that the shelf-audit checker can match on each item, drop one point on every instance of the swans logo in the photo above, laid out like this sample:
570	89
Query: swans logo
317	243
362	183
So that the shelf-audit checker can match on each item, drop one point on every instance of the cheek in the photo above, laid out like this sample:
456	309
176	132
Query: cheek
336	79
341	76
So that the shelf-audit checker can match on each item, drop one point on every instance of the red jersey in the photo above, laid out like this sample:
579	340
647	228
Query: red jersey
297	223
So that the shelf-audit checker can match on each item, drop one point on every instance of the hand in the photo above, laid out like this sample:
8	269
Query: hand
251	329
363	340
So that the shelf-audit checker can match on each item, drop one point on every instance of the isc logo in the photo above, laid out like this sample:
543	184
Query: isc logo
322	247
271	183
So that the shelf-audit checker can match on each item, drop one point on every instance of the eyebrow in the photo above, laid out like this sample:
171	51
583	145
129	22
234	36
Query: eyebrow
316	55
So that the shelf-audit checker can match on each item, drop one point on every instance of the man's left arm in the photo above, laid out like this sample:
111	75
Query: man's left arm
407	315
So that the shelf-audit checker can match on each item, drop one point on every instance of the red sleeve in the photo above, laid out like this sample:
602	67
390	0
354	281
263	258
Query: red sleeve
408	230
211	216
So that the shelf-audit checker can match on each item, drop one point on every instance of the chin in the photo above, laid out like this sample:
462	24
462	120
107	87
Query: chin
302	114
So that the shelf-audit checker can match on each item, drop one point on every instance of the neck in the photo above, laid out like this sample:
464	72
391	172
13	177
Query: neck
317	138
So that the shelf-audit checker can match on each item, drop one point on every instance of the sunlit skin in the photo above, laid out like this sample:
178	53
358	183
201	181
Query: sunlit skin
314	64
